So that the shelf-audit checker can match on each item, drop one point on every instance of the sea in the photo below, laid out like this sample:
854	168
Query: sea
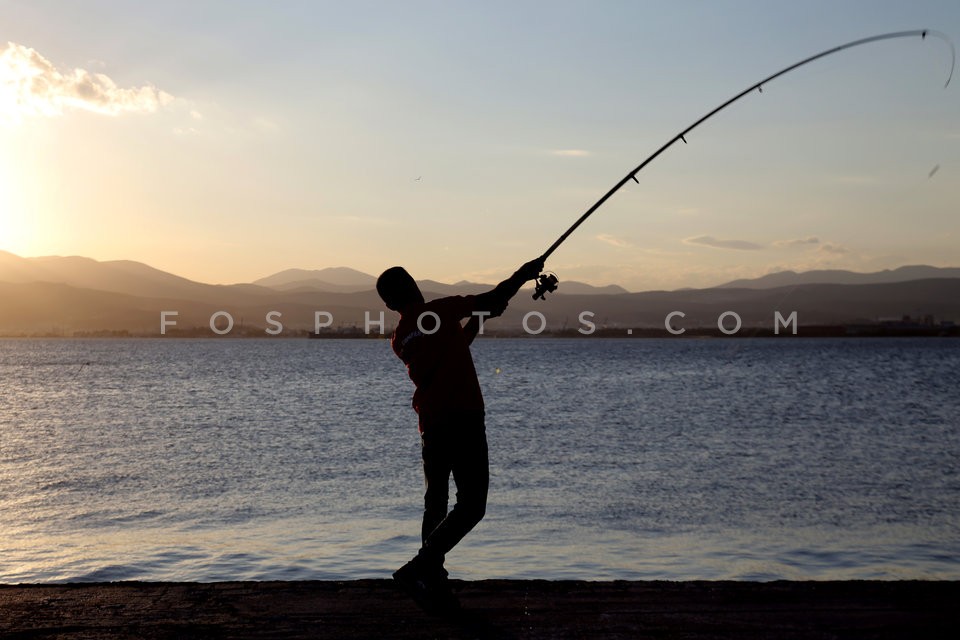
611	459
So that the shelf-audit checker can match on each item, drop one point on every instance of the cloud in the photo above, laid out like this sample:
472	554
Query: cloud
613	240
30	85
832	249
571	153
710	241
797	242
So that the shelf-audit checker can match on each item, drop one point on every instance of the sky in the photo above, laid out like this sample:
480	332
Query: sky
226	141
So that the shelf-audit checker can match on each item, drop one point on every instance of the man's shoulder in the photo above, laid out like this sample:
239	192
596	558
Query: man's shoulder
451	304
451	300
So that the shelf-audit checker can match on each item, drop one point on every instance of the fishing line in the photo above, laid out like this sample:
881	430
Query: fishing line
548	282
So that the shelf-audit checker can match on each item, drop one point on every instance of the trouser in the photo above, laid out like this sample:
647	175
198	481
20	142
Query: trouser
455	445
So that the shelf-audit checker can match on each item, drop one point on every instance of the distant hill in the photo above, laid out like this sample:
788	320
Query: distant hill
815	304
116	276
320	286
329	279
791	278
45	308
346	280
573	287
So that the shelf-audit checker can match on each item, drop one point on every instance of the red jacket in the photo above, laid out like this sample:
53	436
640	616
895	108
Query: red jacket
438	358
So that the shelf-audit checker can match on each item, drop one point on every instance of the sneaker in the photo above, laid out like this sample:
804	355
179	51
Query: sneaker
429	589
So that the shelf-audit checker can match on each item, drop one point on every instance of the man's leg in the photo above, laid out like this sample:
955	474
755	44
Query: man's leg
466	444
436	476
460	448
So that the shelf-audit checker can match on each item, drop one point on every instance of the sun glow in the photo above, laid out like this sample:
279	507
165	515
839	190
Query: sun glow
15	226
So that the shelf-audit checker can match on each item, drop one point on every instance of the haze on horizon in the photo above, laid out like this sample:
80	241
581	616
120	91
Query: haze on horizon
225	142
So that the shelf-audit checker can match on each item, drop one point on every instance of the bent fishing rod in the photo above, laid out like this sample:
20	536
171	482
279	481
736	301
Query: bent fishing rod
548	282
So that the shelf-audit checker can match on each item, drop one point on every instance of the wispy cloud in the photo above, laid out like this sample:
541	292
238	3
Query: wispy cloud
832	249
613	240
716	243
797	242
30	85
571	153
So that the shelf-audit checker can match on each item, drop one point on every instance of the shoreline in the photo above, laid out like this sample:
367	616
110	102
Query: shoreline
641	333
531	609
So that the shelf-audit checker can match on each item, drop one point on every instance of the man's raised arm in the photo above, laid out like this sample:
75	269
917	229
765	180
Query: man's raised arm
495	301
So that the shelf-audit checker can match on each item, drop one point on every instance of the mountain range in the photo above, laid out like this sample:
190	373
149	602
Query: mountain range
792	278
67	295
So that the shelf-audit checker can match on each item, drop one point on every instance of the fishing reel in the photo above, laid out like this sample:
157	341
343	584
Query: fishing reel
546	283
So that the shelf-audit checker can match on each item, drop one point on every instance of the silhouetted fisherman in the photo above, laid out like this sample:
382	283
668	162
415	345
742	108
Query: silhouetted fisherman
431	341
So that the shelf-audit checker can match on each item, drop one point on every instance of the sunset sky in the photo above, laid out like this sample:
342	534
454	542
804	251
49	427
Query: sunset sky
225	141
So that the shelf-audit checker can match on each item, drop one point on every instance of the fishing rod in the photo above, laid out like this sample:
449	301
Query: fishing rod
548	282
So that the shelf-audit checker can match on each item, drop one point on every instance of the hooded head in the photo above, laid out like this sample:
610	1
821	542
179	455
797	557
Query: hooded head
398	289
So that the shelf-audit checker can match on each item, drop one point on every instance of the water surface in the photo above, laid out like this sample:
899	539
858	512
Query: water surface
675	459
